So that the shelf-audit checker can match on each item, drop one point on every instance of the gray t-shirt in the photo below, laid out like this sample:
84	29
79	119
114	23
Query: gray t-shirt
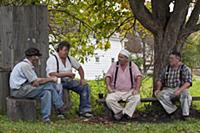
22	73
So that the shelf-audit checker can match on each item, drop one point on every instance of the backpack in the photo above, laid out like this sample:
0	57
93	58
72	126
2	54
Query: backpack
116	73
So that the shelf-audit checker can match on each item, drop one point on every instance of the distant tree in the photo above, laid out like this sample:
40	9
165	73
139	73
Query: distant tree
191	54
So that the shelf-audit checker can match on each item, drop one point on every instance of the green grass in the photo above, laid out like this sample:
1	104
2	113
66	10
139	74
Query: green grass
75	125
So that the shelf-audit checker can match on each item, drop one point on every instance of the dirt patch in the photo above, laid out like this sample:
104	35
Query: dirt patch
149	116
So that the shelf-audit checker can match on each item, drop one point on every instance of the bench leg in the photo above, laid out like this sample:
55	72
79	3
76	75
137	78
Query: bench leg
107	112
66	99
21	109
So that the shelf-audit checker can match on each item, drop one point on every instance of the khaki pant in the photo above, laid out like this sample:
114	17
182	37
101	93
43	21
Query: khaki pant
167	94
112	100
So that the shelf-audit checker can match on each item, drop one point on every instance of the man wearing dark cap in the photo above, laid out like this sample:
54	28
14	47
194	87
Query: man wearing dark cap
24	83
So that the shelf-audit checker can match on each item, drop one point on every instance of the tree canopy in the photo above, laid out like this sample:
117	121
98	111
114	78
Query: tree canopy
169	21
80	20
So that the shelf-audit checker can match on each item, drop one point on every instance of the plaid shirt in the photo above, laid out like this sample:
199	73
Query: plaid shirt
172	77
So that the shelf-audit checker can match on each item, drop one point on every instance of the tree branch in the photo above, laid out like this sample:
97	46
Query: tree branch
191	26
176	22
161	11
178	17
144	15
73	16
125	21
194	17
192	29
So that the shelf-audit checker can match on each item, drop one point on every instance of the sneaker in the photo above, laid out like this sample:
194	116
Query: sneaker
46	120
86	115
118	116
60	116
126	117
60	113
185	118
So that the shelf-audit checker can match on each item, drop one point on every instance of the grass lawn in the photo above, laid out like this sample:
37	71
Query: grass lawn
76	125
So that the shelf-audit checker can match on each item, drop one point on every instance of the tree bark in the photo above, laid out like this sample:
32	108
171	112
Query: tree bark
170	29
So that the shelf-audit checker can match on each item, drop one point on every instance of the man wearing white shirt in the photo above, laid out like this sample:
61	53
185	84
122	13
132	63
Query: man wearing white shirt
60	65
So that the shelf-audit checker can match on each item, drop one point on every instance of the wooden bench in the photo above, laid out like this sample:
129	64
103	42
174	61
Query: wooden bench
108	112
151	99
25	109
21	109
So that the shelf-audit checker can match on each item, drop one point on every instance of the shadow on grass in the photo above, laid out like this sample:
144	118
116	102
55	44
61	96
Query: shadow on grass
153	113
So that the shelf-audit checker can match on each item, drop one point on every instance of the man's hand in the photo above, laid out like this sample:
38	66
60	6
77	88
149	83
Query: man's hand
135	92
83	82
54	79
35	83
110	90
156	92
177	92
71	75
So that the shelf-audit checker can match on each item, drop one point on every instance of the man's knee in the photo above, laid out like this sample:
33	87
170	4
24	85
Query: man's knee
134	99
85	90
184	94
46	93
110	98
161	94
49	86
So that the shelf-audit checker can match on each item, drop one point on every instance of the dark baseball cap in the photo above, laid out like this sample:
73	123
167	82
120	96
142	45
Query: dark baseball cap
32	52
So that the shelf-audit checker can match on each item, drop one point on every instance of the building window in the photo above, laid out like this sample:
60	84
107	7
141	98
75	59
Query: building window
112	60
86	59
97	59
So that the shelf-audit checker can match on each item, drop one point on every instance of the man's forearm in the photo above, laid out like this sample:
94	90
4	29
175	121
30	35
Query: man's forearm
158	85
44	80
81	72
186	85
138	83
61	74
108	81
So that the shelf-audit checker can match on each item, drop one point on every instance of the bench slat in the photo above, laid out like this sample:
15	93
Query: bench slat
152	99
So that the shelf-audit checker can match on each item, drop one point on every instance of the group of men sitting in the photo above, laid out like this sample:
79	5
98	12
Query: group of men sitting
123	81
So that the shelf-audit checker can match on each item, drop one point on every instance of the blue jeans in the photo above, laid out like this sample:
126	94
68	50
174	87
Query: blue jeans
47	94
83	91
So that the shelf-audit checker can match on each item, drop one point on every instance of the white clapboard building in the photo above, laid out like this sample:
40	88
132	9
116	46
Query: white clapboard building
98	64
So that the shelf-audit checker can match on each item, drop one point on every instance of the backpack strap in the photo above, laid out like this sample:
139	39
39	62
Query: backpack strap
116	71
131	75
57	63
69	59
166	74
181	72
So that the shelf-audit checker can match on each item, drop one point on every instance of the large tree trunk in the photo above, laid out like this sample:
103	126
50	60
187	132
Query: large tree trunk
170	28
162	49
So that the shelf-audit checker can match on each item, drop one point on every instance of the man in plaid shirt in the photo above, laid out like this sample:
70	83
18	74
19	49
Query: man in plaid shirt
174	80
